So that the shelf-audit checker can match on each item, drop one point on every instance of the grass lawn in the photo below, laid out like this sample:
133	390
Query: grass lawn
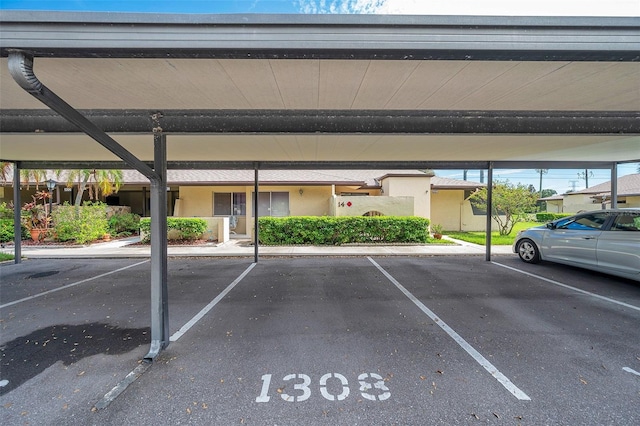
6	256
496	239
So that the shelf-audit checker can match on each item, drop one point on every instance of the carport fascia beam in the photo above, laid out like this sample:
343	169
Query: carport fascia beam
20	66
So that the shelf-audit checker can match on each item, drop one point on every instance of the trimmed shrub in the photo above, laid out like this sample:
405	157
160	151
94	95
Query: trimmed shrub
330	230
6	230
81	224
548	217
189	228
6	211
6	224
123	224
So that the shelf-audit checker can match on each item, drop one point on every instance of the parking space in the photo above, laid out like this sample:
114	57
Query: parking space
384	340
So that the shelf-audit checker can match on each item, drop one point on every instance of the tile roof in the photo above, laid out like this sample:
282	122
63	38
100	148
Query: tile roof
272	177
448	183
627	185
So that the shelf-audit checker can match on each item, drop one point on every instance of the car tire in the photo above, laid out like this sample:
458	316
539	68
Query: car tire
528	251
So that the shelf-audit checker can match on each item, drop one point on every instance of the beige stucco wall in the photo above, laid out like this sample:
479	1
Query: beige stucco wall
446	208
554	206
314	200
631	202
417	187
574	203
359	205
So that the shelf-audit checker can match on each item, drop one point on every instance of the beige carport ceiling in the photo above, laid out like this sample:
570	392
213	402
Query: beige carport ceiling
332	84
358	148
536	81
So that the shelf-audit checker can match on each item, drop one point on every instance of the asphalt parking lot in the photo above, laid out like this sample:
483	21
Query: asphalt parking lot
320	340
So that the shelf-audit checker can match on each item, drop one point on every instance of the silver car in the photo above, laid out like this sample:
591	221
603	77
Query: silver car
605	240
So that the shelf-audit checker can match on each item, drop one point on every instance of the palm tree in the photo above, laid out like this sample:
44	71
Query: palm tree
33	175
97	182
27	176
5	171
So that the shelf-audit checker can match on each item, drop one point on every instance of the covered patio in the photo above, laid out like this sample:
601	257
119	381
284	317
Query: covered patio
311	92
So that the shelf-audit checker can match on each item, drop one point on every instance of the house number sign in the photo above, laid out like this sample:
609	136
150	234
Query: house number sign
371	387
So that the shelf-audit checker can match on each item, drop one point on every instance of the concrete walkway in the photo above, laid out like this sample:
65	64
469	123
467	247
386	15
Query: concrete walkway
126	248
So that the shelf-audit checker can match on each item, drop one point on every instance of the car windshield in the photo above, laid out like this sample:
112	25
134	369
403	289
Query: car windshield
587	222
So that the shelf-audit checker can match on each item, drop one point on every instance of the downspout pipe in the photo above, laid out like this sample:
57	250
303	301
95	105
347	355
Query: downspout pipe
21	69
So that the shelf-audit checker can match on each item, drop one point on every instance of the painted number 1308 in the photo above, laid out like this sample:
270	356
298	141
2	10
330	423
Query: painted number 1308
301	382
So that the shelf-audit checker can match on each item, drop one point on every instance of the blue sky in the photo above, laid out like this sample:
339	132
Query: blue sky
560	180
418	7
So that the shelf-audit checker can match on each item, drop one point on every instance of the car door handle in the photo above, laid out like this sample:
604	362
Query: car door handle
588	238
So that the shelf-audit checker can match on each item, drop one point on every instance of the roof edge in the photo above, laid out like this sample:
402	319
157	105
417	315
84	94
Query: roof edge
51	16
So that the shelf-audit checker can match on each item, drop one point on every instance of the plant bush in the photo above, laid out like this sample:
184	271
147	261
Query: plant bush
6	211
81	224
342	230
6	230
6	224
189	228
124	224
548	217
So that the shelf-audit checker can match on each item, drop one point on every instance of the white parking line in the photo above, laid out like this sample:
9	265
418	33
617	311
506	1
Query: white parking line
211	304
122	386
631	370
588	293
504	381
140	369
70	285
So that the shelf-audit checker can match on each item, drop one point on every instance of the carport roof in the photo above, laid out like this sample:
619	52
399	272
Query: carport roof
321	90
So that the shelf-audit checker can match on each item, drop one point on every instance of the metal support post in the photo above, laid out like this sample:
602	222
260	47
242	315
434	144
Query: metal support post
159	292
614	185
256	187
17	220
489	210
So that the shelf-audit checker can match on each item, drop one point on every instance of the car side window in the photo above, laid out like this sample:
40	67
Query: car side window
587	222
626	222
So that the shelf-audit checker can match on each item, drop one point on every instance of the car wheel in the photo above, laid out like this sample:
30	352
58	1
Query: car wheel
528	251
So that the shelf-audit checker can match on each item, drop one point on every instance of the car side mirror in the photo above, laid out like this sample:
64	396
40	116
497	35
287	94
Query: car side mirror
551	225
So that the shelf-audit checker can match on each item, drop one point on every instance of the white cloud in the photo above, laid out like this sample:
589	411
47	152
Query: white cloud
474	7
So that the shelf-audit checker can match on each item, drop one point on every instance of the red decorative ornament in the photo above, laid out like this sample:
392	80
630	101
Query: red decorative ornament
348	203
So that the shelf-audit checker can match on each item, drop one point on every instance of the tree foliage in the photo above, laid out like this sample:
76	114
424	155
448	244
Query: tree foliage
81	224
511	203
97	182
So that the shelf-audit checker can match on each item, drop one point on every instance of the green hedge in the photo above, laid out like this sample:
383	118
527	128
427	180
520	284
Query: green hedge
6	230
124	224
548	217
327	230
81	224
189	228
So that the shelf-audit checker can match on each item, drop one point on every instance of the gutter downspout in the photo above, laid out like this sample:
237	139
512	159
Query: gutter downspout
20	66
21	69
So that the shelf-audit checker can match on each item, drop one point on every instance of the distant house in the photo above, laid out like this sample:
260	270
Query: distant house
229	193
597	197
